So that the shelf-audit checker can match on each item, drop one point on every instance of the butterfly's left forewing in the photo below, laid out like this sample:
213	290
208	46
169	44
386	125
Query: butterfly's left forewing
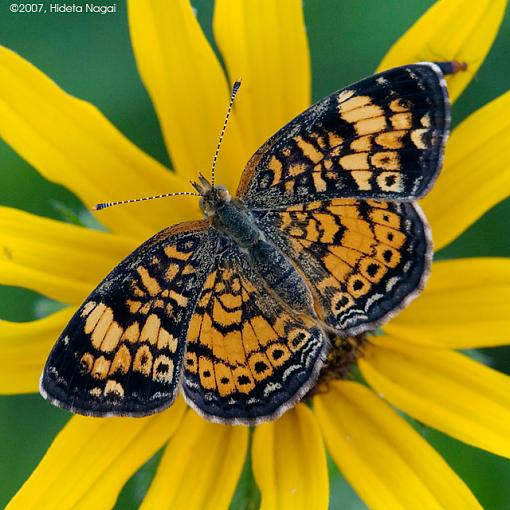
121	353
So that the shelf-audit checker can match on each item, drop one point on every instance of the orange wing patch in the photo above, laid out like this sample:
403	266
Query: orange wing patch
362	259
245	350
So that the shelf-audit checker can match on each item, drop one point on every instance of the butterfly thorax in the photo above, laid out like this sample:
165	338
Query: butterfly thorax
230	217
227	215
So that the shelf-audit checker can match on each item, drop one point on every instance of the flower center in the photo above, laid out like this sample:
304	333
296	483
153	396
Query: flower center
342	356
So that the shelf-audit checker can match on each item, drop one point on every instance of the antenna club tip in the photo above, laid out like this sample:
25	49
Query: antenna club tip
237	84
98	207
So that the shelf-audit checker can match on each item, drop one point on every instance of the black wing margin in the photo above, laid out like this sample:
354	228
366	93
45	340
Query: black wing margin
381	138
121	354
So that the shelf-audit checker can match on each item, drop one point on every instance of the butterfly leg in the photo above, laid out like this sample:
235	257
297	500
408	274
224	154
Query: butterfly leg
452	67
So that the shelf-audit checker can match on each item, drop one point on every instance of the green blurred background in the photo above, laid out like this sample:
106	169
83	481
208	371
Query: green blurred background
90	56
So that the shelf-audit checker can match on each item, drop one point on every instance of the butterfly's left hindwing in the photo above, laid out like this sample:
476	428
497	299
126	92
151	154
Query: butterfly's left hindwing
121	353
249	358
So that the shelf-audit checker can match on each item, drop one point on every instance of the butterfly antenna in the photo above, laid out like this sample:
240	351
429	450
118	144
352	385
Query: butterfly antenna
235	88
104	205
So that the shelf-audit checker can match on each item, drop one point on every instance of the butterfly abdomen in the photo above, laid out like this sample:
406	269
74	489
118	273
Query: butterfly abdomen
236	223
281	277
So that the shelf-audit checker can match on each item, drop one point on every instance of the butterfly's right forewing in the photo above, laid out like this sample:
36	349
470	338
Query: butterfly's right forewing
382	137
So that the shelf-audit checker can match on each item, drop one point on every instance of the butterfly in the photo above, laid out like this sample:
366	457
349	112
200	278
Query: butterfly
323	236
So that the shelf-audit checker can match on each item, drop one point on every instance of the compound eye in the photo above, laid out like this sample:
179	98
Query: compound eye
206	206
223	193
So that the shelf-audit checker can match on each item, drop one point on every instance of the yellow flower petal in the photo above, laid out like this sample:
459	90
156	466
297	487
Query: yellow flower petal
289	462
460	30
24	347
187	86
59	260
476	175
464	305
443	389
200	467
265	43
91	459
386	461
70	142
47	284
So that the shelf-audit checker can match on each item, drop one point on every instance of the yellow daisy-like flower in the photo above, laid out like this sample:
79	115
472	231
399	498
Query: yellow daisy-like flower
413	366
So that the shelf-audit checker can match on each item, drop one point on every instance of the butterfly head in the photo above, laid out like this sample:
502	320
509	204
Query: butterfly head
213	197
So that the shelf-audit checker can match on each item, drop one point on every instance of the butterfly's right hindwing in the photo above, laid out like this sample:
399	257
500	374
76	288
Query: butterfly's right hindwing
121	353
363	259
